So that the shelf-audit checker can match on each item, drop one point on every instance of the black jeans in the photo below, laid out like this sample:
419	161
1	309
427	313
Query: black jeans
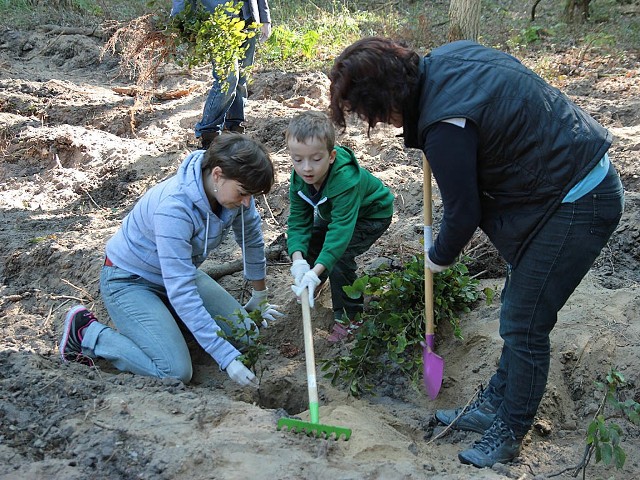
366	232
555	262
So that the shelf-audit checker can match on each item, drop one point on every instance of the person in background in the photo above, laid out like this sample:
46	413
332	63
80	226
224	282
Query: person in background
514	156
150	282
225	108
337	211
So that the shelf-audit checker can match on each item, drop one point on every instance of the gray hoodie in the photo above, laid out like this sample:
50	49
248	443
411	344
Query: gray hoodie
167	236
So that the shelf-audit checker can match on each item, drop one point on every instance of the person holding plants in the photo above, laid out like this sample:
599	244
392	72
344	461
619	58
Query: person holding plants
225	105
150	282
514	156
337	211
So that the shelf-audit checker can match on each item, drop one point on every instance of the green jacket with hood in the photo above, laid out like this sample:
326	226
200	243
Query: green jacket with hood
350	193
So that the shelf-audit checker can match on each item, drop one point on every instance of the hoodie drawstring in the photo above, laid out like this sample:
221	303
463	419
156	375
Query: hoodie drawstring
206	236
316	206
244	257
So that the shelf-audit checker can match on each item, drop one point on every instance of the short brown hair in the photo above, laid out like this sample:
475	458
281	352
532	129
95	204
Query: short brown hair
374	78
243	159
312	124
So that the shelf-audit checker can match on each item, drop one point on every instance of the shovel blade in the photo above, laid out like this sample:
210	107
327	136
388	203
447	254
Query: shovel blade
433	368
314	429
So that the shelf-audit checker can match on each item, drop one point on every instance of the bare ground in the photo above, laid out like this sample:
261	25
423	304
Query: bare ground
75	160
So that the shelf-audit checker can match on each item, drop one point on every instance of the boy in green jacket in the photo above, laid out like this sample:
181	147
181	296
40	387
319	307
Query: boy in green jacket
338	210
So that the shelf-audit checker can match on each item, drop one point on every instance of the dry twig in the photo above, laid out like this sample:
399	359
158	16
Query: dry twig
169	95
269	208
450	426
80	289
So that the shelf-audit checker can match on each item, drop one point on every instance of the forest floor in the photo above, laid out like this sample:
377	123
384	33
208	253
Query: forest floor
74	160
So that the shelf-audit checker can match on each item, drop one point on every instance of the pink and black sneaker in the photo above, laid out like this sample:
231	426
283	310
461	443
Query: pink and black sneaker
343	332
77	320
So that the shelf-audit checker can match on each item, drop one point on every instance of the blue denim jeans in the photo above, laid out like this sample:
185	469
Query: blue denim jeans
148	340
225	109
365	233
551	268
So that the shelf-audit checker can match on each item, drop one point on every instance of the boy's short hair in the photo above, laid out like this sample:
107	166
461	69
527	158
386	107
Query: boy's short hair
312	124
242	159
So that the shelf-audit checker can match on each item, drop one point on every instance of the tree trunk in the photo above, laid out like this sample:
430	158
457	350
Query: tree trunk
464	20
219	270
579	6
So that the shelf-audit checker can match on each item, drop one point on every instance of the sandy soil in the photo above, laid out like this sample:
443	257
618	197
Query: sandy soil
74	161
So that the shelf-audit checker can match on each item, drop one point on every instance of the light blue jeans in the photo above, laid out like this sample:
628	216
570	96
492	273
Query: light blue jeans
225	109
148	340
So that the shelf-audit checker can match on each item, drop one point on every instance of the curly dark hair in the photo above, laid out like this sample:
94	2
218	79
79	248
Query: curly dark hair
243	159
373	78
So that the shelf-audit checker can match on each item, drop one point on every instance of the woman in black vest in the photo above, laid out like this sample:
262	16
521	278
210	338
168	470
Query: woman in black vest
514	156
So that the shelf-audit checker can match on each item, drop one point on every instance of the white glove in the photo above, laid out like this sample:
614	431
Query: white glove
309	280
298	268
265	30
258	301
432	266
241	374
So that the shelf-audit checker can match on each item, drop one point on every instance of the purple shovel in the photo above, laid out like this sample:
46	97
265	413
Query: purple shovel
433	364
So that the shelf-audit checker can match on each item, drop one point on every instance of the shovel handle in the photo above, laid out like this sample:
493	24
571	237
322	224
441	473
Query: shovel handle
309	357
428	242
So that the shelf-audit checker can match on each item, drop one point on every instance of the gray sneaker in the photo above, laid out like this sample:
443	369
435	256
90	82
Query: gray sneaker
498	445
477	417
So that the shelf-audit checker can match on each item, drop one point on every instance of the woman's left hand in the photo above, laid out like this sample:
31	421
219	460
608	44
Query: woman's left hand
265	32
259	301
434	267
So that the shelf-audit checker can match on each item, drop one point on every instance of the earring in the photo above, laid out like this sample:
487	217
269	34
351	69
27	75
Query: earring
215	189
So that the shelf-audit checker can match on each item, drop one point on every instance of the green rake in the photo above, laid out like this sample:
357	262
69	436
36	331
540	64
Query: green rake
314	427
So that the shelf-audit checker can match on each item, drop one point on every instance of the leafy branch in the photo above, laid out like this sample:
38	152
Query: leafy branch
199	37
192	37
604	437
393	323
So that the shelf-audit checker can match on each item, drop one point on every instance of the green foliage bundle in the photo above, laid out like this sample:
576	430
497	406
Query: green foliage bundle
200	37
393	323
192	37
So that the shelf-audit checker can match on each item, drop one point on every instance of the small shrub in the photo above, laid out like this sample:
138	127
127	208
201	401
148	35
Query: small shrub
393	323
527	36
604	436
252	348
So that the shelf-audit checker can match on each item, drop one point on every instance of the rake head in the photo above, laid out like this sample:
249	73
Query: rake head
314	429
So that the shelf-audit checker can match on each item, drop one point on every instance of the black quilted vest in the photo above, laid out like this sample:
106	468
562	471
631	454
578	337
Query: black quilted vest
534	143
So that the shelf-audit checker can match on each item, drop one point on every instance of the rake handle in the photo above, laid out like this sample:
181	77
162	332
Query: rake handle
309	358
428	242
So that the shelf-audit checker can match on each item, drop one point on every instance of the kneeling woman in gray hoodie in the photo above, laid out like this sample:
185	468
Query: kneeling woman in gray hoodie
150	282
